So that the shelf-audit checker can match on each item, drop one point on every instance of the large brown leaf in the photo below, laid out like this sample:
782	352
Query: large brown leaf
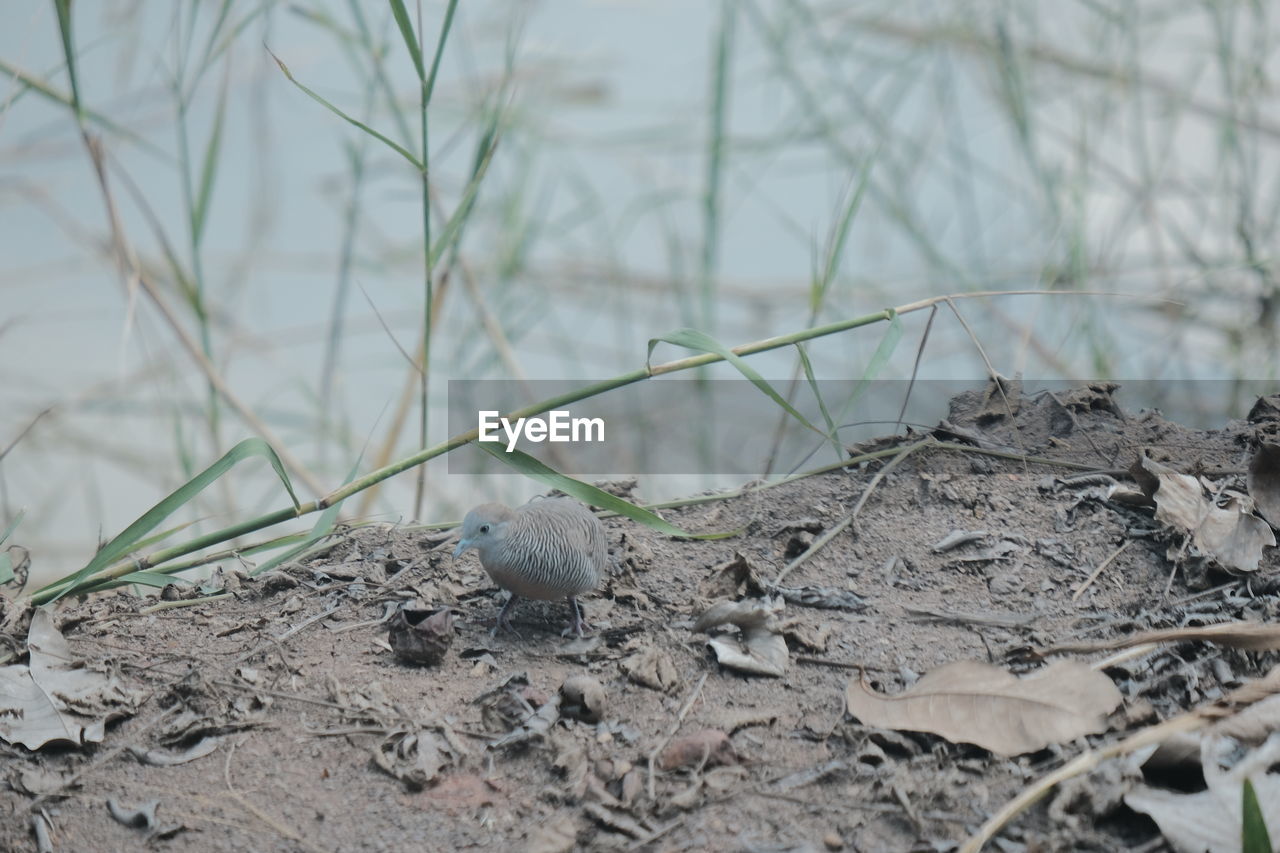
971	702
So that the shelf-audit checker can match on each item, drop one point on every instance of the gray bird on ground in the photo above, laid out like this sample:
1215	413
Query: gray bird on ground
547	549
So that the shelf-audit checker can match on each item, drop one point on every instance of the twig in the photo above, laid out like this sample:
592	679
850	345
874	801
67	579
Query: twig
684	712
1085	584
656	834
186	602
283	638
40	829
849	519
834	664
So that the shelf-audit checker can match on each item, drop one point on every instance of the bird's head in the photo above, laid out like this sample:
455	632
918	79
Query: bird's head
484	526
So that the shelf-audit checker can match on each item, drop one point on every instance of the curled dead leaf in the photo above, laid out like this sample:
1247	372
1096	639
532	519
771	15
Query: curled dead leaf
760	648
1225	530
972	702
421	637
143	817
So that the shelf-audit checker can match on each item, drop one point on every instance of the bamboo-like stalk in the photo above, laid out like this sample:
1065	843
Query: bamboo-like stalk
56	589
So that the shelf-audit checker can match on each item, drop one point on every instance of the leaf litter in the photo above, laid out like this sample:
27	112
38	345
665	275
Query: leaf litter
972	702
291	717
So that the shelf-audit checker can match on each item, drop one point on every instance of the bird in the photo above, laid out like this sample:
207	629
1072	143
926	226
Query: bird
549	548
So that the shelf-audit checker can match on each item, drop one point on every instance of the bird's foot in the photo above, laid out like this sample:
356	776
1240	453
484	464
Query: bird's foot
503	622
579	625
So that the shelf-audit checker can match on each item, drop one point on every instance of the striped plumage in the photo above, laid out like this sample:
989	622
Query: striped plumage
547	549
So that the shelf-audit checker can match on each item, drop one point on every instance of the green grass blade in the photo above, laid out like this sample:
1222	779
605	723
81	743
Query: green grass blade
717	150
532	468
127	540
451	236
152	579
822	404
452	230
836	252
695	340
430	84
157	538
26	81
209	169
1254	837
68	50
403	152
13	525
6	562
410	37
219	22
879	358
322	528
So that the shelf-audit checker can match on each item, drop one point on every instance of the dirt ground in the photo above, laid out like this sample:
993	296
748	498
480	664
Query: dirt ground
292	683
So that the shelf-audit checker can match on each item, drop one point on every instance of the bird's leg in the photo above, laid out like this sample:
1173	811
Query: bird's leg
504	619
578	622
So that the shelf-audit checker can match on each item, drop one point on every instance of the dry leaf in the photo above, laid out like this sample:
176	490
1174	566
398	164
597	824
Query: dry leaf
143	817
535	727
730	579
652	668
170	758
55	697
1247	694
1209	821
1230	534
1251	726
1264	481
760	649
421	636
707	748
414	757
557	835
615	820
971	702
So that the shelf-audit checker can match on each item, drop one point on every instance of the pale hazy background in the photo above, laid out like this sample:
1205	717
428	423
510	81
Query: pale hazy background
1127	148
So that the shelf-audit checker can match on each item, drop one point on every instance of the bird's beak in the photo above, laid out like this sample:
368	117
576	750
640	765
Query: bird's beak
463	544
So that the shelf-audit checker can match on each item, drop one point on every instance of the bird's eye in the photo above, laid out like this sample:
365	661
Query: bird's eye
484	528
